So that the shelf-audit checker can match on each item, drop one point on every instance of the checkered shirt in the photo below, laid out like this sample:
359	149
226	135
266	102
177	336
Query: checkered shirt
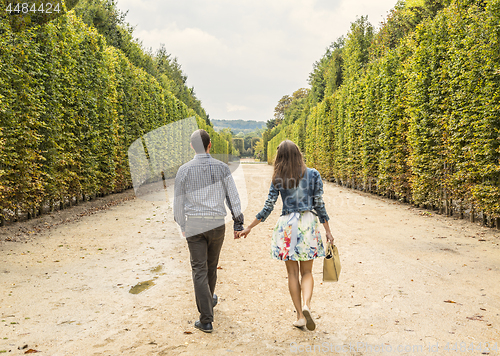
201	187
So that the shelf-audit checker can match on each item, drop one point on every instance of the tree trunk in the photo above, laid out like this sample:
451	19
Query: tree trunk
472	217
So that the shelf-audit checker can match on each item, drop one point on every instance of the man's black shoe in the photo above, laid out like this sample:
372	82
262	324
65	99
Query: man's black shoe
215	299
207	328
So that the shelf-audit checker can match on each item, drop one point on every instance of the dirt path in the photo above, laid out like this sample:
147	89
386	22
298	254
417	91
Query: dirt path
409	280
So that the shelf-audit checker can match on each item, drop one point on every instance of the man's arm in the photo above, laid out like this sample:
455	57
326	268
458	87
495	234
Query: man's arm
179	197
233	200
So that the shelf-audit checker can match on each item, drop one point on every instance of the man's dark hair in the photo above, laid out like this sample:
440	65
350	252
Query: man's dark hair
200	140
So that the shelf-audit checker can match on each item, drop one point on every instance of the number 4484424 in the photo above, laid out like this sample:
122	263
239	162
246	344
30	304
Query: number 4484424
464	347
24	8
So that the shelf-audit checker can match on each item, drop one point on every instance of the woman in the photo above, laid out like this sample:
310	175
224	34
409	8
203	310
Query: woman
296	238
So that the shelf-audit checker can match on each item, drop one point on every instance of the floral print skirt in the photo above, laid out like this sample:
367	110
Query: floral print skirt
306	243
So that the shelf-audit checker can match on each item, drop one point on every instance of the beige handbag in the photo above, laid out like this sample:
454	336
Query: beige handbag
331	264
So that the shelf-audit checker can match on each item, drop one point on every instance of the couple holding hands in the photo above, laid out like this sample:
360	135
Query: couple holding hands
203	185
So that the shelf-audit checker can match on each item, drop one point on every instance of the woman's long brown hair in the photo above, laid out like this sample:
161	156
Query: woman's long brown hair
289	166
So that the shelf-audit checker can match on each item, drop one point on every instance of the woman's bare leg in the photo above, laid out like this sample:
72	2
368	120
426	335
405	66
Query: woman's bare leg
292	267
307	281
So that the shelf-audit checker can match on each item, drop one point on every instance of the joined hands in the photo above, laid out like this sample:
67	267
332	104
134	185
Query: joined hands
244	233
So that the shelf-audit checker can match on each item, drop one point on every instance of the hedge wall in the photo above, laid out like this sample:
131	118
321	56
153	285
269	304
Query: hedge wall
70	106
422	122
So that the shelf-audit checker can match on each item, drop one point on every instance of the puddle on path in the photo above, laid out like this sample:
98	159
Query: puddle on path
141	287
157	269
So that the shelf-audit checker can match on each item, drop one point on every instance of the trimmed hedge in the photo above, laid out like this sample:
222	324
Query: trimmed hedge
420	123
70	106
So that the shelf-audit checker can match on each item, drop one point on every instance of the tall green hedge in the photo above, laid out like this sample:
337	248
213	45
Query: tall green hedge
422	121
70	106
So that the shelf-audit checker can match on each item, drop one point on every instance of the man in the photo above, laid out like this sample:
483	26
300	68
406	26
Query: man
201	187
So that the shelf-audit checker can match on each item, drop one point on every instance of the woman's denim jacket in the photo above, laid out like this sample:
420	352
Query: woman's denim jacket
307	196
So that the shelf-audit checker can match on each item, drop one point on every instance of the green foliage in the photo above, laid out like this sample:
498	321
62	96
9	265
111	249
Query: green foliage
239	145
27	14
418	119
70	106
168	72
259	151
402	20
327	74
239	126
271	123
249	143
109	21
356	49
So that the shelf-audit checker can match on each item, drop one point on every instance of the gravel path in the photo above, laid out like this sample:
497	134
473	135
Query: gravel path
412	283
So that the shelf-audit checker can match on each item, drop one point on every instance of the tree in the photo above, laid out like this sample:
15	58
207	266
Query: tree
259	151
356	50
327	76
271	123
238	145
300	93
110	22
279	110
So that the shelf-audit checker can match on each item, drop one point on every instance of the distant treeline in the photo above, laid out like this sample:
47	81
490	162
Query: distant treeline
237	126
411	111
70	106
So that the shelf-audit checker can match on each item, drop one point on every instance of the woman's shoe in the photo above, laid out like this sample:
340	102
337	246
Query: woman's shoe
300	323
310	325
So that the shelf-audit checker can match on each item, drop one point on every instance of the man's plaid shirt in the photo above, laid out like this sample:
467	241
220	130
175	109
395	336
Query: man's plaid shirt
201	187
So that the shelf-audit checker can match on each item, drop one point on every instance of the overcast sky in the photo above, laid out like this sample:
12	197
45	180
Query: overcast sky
242	56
